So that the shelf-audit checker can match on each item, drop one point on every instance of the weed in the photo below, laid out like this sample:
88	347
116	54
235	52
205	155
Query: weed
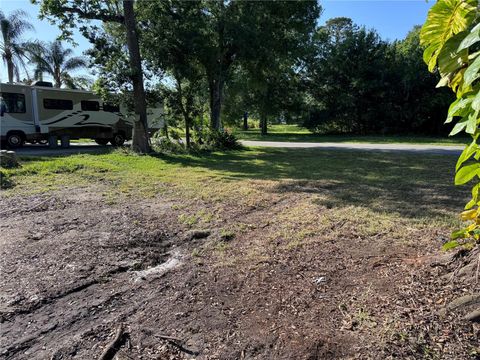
221	246
188	220
227	235
195	253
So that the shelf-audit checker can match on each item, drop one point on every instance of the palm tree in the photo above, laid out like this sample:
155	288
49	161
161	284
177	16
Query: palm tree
13	50
54	60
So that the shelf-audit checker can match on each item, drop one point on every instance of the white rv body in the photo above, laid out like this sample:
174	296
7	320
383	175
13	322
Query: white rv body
35	113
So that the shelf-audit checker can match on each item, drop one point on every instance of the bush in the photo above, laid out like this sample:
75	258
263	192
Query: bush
221	140
253	124
202	140
317	121
166	145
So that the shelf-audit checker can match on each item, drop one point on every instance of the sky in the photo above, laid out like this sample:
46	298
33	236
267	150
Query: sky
393	19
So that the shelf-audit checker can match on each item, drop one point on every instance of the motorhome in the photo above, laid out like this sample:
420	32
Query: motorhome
41	113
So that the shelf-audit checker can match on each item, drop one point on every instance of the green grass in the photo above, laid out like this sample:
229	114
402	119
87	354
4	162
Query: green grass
408	185
295	133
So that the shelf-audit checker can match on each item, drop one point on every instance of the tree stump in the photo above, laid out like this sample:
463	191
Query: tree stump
8	159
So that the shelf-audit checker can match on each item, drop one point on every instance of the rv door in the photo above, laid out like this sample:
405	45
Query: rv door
35	112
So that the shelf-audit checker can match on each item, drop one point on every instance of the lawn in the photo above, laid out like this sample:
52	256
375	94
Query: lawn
295	133
399	184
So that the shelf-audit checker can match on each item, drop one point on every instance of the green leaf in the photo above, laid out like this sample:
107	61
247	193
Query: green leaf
475	191
474	200
458	108
457	81
445	19
471	38
450	245
477	155
444	81
472	123
458	234
467	173
462	124
470	204
449	59
476	102
430	57
471	74
466	154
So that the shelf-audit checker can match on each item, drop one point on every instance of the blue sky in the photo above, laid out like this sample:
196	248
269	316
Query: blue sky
391	18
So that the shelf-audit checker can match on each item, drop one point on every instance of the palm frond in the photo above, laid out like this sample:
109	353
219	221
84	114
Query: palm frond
75	63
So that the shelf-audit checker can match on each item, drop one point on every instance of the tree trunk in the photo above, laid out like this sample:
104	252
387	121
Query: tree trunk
216	89
245	121
187	131
10	70
58	81
263	124
183	108
140	141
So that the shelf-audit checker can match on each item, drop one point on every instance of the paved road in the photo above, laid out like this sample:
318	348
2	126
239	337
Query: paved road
75	148
79	148
420	148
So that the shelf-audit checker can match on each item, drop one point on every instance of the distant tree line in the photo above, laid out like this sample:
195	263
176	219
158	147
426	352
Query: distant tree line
358	83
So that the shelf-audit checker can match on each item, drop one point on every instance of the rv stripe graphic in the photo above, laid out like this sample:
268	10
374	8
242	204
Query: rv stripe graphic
66	117
56	121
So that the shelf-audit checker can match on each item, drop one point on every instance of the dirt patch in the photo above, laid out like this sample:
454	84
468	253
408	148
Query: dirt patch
277	279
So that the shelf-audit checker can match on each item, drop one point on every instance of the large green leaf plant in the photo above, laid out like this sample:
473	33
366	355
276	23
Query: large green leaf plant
451	37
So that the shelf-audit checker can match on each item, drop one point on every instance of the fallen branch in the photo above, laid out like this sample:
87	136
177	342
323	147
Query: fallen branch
178	343
114	345
170	338
474	316
478	268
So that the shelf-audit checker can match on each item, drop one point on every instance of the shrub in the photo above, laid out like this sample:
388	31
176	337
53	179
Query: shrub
317	121
166	145
221	140
202	140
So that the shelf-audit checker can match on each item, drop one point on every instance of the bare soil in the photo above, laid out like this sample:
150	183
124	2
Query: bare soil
74	268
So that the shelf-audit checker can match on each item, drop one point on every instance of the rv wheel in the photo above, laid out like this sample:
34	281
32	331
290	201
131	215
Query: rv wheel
118	140
15	140
101	141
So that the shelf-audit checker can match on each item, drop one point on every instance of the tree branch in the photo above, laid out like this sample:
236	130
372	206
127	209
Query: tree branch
103	16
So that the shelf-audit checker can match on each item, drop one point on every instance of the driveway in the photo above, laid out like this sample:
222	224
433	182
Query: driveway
80	148
416	148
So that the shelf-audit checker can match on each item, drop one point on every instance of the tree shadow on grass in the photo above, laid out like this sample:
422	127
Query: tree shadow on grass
411	184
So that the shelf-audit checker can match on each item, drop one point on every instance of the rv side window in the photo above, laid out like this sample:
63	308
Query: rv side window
110	107
13	103
58	104
90	105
